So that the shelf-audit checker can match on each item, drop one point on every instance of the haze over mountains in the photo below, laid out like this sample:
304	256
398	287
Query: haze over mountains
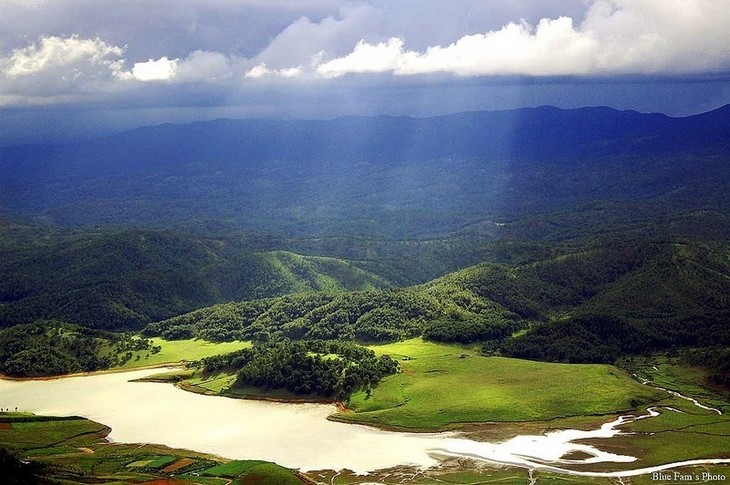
392	177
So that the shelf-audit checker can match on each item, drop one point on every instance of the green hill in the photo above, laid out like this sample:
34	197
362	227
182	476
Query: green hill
590	305
124	279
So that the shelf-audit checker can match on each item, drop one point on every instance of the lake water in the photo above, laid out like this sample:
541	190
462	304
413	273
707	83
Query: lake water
292	435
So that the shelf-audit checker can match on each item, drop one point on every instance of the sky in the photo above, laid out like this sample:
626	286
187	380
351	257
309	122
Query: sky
76	68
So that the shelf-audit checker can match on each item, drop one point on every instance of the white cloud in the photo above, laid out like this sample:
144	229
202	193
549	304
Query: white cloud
385	56
60	69
304	38
162	69
262	70
668	36
259	70
615	37
606	37
291	72
66	57
206	66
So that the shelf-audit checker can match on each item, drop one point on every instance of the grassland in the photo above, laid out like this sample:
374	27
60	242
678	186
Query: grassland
174	351
682	431
253	471
445	384
670	373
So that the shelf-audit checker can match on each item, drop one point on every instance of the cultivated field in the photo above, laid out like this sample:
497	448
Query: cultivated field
73	450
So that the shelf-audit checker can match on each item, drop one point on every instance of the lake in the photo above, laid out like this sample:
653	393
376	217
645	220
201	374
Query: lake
293	435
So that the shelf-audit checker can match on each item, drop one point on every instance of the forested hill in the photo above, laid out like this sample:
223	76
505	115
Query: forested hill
599	231
124	279
593	305
393	177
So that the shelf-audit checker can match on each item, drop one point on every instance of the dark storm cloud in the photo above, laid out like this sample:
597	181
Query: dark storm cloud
154	60
153	28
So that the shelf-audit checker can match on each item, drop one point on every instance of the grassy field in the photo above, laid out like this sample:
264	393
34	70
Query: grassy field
181	350
217	383
443	384
253	471
31	432
669	373
682	431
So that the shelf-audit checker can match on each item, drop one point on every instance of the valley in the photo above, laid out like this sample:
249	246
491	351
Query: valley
422	303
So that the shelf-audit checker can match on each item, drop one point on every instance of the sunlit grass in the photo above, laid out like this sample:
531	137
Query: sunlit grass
181	350
442	384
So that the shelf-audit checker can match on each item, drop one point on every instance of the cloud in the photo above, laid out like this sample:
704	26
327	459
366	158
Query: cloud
262	70
553	47
163	69
671	36
60	69
55	52
615	37
56	65
258	71
63	68
305	39
382	57
211	55
152	29
206	66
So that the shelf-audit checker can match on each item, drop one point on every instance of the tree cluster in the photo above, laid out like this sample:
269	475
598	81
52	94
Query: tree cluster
386	315
50	347
322	368
715	359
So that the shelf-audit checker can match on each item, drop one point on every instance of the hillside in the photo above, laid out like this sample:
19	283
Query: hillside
593	305
568	235
124	279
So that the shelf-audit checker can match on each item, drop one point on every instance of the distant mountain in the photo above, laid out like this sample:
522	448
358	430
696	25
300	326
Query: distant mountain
393	177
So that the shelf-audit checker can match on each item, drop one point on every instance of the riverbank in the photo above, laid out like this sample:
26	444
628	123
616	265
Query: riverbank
292	434
442	387
73	449
114	370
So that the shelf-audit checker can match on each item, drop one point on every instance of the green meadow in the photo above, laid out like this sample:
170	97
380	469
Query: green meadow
670	373
442	384
174	351
253	471
682	431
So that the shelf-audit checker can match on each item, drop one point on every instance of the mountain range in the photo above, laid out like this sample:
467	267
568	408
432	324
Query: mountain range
390	177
